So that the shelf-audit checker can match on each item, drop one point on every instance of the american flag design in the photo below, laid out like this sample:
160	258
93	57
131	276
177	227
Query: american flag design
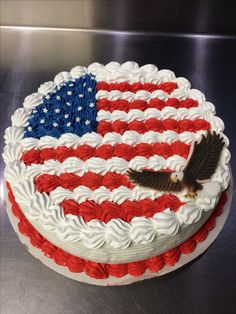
81	134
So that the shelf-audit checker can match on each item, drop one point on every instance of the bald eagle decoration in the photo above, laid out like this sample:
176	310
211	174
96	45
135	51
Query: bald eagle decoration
201	165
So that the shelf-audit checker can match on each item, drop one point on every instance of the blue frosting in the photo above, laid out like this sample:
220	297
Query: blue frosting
71	108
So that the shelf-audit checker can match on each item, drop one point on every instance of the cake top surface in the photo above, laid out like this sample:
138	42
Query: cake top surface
70	147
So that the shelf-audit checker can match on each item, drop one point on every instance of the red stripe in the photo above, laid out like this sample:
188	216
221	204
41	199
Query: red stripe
111	180
125	211
102	270
106	151
167	87
125	105
141	127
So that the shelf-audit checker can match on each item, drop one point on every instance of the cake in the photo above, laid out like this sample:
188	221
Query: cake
75	155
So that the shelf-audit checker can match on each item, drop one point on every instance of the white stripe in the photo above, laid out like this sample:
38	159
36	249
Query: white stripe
167	112
102	166
119	195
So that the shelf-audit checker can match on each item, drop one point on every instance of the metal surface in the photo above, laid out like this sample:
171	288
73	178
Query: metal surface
195	16
207	285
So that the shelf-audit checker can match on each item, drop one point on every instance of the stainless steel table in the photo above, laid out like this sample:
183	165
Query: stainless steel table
30	57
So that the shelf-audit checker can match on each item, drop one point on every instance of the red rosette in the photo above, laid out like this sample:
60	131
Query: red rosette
172	256
90	210
91	180
62	153
47	183
201	234
123	87
32	156
48	249
137	269
119	104
104	127
105	151
144	149
84	152
119	127
103	104
200	124
124	151
17	211
137	126
138	104
37	240
61	257
155	263
112	180
46	154
69	181
131	210
117	270
76	264
149	207
102	86
157	103
180	148
211	222
25	227
168	87
150	87
171	125
70	207
188	246
96	270
136	87
169	201
163	150
110	210
186	125
173	102
188	103
154	125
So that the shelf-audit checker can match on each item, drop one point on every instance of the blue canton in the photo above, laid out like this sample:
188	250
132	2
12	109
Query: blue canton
71	108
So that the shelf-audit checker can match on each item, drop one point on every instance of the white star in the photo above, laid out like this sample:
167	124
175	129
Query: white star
69	93
68	104
80	108
57	110
71	85
92	78
91	105
55	124
45	110
81	95
47	97
68	124
34	111
84	84
66	116
29	128
42	121
58	97
90	89
77	119
87	122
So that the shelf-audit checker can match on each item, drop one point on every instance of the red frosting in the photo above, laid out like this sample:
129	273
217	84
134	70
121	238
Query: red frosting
127	210
107	151
153	124
125	105
101	270
168	87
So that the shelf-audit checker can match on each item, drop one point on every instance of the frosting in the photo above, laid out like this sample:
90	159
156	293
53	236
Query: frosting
183	124
101	271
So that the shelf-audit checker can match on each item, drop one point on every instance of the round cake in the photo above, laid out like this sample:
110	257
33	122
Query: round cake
116	170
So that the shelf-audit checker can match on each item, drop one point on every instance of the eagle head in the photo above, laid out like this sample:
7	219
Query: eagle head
176	176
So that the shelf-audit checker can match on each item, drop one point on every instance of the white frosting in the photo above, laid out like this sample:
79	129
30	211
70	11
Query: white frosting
116	234
167	112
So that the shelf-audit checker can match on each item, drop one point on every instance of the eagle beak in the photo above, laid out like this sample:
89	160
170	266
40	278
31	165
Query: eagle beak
173	179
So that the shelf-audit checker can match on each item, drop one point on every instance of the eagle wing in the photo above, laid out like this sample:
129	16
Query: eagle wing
154	180
205	157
